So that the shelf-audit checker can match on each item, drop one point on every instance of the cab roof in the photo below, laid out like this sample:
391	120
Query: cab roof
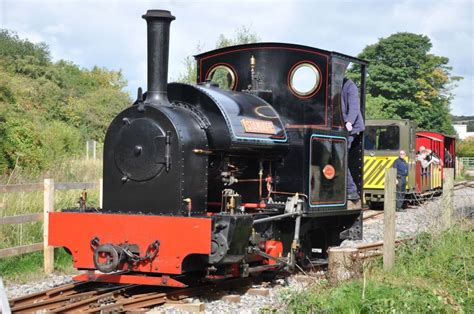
276	45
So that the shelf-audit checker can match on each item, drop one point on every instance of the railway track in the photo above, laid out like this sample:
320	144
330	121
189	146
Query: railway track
93	297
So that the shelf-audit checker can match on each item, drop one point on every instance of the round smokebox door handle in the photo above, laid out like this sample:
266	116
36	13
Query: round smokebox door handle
138	150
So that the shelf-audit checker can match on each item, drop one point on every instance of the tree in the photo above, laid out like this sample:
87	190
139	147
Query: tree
243	35
465	148
405	81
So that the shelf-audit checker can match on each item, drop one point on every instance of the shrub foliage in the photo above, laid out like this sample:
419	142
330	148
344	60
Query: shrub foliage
48	109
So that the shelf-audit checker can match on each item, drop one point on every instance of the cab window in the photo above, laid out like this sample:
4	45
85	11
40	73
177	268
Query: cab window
382	137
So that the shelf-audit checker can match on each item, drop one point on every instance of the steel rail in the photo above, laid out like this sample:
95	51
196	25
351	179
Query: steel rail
92	297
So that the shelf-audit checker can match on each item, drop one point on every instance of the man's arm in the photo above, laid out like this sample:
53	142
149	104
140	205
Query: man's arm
353	106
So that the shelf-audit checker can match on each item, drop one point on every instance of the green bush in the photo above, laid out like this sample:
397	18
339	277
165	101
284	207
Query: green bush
21	143
48	109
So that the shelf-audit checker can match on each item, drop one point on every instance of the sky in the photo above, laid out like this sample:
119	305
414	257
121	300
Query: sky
112	34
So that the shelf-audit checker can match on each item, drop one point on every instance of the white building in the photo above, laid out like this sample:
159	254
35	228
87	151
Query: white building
461	129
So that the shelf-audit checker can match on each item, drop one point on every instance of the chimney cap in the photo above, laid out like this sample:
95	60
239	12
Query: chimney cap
163	14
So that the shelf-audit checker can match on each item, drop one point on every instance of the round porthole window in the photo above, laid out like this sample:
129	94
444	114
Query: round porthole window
304	79
222	75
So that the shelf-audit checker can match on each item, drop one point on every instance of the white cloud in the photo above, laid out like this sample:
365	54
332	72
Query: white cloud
112	33
56	29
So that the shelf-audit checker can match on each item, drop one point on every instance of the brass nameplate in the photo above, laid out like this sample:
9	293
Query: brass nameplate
258	126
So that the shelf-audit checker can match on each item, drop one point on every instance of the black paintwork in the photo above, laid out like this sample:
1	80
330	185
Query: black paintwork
137	181
224	112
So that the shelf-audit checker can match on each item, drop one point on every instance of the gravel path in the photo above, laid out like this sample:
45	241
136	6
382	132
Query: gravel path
418	219
409	223
51	281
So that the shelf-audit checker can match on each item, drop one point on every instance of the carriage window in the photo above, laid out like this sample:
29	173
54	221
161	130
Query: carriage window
382	137
222	75
304	79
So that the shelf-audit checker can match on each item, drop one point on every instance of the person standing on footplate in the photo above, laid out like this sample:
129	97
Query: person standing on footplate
402	172
354	123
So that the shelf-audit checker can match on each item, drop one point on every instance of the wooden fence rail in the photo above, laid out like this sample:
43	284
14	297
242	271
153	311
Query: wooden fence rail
21	219
48	187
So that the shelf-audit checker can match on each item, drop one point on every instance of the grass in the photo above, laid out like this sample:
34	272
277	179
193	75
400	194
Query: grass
24	267
18	203
433	273
29	267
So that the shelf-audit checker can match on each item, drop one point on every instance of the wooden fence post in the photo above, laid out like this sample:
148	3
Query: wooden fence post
47	208
389	219
101	192
448	194
343	264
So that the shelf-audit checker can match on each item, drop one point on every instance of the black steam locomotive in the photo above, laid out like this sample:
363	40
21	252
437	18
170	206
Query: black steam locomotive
243	172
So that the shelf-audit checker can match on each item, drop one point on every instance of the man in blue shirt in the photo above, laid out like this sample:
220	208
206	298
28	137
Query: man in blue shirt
354	123
402	172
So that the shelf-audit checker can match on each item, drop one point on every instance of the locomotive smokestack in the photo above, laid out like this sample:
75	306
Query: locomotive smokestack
158	24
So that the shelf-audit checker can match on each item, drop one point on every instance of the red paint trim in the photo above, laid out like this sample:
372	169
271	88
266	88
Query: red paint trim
254	205
328	139
178	236
307	126
230	67
273	248
235	270
265	47
246	205
131	279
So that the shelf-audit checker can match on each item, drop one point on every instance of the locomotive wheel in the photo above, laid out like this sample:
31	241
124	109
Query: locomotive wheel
219	248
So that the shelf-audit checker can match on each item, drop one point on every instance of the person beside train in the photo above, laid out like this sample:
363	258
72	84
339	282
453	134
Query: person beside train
354	123
402	172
